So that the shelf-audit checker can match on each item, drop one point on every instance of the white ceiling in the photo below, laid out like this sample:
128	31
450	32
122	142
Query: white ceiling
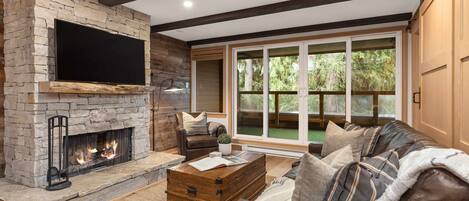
164	11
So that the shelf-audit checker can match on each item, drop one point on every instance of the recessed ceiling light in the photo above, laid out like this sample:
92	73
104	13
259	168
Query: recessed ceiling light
188	4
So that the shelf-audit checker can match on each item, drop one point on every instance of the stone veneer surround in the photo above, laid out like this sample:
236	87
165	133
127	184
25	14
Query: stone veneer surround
30	59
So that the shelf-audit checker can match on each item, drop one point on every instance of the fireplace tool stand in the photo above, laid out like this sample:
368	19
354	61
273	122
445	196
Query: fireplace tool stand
57	173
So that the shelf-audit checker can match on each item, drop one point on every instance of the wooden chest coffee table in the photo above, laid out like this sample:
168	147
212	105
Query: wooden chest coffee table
241	182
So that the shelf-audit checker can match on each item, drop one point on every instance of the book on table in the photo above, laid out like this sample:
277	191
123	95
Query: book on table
209	163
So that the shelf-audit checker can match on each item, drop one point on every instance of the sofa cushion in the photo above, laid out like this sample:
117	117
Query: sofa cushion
201	141
195	125
365	180
401	137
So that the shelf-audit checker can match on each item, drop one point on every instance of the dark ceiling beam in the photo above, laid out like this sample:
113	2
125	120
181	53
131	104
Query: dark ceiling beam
309	28
114	2
243	13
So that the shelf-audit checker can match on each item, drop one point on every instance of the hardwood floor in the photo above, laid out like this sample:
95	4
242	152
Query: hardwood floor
276	167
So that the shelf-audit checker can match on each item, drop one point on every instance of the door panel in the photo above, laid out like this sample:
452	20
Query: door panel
462	135
436	70
461	139
436	50
462	20
434	114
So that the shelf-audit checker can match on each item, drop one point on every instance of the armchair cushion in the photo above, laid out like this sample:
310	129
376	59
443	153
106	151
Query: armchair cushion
201	141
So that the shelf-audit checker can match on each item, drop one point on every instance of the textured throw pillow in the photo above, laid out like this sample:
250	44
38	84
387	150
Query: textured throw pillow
314	174
365	180
195	125
370	137
336	138
312	179
339	158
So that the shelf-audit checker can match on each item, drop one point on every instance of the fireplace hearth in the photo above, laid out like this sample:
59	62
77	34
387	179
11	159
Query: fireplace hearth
96	150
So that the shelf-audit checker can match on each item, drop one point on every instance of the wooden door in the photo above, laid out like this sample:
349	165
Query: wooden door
436	66
461	91
415	74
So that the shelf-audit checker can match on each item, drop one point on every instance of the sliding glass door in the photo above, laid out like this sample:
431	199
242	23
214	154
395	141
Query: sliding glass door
283	92
373	81
250	99
289	92
326	86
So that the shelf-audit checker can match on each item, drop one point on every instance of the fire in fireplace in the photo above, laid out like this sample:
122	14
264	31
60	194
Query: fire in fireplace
94	150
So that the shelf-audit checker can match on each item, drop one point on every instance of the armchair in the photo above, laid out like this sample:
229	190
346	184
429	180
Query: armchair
194	146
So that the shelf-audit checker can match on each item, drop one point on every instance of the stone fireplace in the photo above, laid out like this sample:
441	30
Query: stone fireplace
90	151
30	65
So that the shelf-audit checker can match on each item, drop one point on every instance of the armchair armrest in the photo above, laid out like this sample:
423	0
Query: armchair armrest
181	140
314	148
216	129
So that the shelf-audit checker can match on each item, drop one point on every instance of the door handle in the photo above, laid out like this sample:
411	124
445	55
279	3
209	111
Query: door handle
414	98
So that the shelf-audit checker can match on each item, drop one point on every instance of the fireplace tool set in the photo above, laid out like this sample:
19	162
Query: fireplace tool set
57	173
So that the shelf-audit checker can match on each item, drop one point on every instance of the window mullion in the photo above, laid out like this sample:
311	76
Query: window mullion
348	80
265	63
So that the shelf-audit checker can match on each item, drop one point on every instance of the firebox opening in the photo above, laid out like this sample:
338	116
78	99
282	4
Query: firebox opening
93	150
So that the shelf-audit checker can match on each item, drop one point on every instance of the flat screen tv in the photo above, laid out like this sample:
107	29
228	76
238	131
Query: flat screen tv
85	54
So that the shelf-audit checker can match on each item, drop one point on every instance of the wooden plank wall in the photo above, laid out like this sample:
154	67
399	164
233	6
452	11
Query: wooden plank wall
170	58
2	97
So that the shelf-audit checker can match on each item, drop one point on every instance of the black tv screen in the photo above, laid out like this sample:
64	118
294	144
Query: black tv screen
85	54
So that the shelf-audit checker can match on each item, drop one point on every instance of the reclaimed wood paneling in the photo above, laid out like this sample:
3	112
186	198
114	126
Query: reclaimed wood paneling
170	58
2	97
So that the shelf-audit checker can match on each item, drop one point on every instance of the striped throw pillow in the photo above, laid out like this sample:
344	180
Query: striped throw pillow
365	180
370	137
195	125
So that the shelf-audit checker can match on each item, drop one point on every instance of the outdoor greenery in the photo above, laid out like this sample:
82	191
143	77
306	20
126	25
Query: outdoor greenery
373	69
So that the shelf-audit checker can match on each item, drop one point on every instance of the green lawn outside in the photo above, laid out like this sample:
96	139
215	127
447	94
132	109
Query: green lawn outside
283	133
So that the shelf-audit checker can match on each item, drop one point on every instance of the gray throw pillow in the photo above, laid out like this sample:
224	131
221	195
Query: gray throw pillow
339	158
195	125
312	179
314	174
336	138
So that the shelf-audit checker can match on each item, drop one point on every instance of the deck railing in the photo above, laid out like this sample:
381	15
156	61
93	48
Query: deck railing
321	119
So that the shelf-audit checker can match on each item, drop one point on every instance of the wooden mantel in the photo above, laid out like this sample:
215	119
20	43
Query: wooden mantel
91	88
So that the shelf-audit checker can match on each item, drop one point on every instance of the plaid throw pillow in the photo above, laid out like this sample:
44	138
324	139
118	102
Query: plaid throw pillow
365	180
370	137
